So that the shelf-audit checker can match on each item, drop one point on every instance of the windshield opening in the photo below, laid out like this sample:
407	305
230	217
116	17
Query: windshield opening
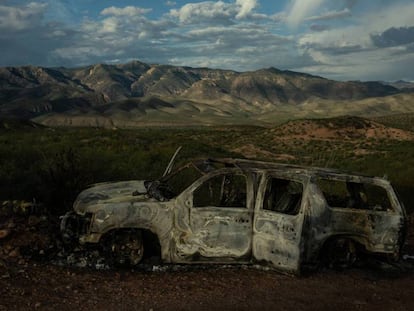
171	185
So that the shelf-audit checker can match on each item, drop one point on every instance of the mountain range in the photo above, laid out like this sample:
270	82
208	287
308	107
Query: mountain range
138	94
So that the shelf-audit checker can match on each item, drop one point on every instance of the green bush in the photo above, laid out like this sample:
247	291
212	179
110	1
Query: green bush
53	165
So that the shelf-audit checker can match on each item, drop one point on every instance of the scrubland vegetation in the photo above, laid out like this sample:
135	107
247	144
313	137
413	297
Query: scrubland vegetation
52	166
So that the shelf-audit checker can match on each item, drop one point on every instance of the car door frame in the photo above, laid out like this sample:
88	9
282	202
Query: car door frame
277	236
194	240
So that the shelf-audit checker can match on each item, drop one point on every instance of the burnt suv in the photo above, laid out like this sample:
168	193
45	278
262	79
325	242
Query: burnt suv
241	211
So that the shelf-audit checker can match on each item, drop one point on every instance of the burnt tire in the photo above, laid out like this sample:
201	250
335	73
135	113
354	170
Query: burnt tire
340	253
125	248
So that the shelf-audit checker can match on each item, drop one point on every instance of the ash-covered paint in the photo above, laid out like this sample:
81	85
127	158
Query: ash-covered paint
242	232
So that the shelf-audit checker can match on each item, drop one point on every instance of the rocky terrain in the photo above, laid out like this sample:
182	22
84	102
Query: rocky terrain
131	94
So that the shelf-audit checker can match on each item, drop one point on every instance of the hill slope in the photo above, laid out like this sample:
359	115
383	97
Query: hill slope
133	93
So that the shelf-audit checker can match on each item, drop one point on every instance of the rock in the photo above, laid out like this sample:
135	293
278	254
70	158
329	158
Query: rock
15	253
5	276
21	262
4	233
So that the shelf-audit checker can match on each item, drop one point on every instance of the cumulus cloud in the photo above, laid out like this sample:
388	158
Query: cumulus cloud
231	34
123	33
204	11
393	37
22	17
246	7
126	11
216	11
109	25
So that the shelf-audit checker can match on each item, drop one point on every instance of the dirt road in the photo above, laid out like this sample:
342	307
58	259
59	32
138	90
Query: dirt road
47	287
29	282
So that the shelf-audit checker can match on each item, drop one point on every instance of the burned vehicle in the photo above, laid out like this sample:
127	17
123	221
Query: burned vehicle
241	211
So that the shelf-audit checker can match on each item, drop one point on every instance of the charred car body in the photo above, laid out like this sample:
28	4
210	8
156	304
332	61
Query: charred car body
242	211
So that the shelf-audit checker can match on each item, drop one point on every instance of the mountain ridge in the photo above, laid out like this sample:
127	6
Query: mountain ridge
136	89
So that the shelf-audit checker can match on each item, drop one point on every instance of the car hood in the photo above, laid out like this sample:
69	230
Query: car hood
110	193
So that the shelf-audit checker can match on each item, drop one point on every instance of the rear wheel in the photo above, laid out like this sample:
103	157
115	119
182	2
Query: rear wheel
126	248
340	253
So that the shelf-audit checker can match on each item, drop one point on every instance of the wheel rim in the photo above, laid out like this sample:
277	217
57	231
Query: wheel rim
127	248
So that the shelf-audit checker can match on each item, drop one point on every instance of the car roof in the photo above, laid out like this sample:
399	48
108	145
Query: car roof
250	165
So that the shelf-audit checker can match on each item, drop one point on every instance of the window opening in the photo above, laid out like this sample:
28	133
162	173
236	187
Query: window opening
222	191
357	195
283	196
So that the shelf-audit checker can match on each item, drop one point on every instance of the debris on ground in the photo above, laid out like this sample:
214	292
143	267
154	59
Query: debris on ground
38	272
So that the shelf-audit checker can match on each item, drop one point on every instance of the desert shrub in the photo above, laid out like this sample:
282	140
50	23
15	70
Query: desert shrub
53	166
63	176
18	170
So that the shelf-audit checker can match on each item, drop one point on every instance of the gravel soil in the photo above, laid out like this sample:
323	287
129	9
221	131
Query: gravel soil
29	282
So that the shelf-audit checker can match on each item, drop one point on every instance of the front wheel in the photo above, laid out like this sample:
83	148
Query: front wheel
126	248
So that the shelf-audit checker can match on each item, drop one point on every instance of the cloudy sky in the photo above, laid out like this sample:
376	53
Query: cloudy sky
340	39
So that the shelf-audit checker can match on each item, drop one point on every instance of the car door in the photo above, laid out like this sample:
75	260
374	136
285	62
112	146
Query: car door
278	221
221	217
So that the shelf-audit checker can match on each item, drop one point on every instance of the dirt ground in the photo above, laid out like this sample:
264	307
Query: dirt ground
31	278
